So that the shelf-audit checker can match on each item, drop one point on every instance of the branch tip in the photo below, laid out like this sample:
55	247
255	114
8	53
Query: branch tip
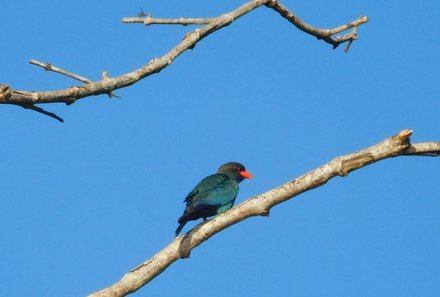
405	133
5	93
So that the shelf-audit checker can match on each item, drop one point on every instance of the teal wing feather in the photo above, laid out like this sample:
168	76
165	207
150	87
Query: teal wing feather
215	190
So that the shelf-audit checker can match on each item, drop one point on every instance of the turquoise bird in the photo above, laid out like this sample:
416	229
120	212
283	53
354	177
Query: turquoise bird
214	194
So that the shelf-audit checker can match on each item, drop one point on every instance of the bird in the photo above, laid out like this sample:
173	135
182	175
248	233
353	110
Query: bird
213	194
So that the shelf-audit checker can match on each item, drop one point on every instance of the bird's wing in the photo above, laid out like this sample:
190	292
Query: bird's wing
213	190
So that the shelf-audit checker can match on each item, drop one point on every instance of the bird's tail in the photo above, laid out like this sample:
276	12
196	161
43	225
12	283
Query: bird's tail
181	224
182	221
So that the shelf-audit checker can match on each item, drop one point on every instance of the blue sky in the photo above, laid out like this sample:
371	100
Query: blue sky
86	201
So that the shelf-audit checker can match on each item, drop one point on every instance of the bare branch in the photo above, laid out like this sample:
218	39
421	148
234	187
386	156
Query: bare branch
431	149
352	37
260	205
6	93
50	67
107	85
149	20
324	34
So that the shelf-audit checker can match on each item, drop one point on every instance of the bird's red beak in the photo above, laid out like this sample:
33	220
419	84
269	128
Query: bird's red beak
245	174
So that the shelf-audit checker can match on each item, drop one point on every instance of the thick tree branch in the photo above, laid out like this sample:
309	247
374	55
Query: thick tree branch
260	205
108	84
6	92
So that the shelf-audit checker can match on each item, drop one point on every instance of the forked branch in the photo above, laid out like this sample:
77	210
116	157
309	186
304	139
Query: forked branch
397	145
108	84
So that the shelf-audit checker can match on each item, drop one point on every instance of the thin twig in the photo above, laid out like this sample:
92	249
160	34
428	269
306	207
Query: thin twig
50	67
361	20
353	37
149	20
42	111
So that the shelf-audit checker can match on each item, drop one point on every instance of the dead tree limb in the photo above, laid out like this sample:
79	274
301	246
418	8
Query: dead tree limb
108	84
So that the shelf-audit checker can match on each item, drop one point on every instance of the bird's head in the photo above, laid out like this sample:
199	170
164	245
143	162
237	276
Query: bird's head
235	169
